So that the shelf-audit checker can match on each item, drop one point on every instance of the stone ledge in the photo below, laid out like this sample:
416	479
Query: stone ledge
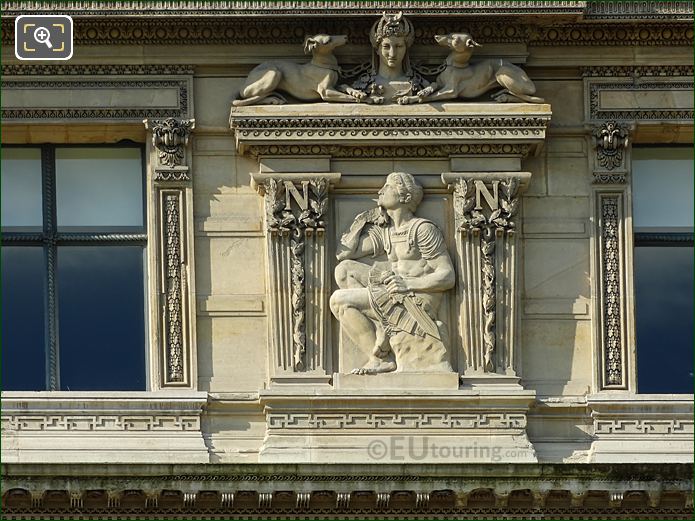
74	427
320	128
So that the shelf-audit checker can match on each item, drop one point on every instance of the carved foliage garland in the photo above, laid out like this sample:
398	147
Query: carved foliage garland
471	219
612	332
283	220
610	139
173	288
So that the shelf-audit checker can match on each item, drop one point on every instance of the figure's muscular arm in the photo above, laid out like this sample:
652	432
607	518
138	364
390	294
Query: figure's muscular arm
365	247
441	278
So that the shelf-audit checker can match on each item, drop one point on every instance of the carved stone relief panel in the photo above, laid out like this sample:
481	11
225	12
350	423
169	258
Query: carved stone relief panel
486	207
393	273
296	215
389	77
171	253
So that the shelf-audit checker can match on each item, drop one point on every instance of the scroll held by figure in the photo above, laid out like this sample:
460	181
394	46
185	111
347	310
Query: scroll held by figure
389	307
390	76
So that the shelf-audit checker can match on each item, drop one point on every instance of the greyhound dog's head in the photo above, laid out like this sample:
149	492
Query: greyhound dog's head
323	43
461	43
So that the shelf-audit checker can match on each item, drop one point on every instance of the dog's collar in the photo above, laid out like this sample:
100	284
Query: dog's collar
335	68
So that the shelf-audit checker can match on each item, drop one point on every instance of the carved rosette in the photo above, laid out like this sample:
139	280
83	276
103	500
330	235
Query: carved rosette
295	213
170	181
486	243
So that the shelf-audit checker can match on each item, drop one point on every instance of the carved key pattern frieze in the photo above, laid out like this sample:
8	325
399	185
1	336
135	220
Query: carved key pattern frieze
283	219
644	427
471	219
99	422
396	421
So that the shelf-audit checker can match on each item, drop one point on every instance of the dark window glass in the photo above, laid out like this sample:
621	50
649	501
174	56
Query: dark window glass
73	270
664	319
662	189
23	341
101	316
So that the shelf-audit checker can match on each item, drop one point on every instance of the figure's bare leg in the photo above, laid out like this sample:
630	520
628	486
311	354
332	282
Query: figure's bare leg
353	310
350	307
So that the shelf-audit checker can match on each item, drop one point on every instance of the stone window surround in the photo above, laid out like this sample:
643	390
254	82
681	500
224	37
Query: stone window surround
613	188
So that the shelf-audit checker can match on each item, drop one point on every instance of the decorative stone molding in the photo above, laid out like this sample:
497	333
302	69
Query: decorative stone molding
636	71
284	8
34	99
397	421
377	152
610	140
486	241
362	425
613	34
626	427
608	99
296	211
93	427
95	69
378	126
454	491
679	10
173	323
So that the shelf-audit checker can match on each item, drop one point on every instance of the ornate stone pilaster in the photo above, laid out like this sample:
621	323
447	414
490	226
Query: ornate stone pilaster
612	253
486	206
171	252
296	213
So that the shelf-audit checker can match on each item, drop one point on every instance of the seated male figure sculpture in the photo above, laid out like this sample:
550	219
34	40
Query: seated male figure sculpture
389	310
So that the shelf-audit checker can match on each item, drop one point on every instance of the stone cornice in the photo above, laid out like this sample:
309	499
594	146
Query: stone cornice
620	11
617	491
219	30
292	8
323	125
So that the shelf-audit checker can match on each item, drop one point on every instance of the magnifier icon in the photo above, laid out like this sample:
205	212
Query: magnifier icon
43	35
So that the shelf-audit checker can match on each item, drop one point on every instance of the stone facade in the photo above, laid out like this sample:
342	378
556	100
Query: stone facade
253	407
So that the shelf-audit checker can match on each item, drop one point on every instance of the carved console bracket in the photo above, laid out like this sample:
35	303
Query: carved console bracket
610	141
296	213
612	244
486	206
171	254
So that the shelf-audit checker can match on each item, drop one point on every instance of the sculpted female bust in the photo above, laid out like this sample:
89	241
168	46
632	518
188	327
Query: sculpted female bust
391	77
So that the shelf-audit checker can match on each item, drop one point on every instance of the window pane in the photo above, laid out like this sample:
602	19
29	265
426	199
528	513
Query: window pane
99	187
664	315
23	340
102	318
21	187
662	187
